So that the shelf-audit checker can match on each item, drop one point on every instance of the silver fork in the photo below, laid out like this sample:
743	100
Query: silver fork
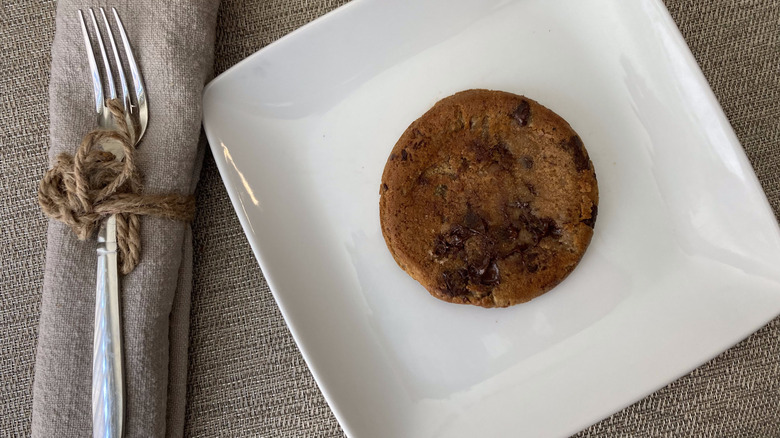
107	357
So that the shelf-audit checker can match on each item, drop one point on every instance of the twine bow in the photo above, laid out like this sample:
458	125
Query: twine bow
81	190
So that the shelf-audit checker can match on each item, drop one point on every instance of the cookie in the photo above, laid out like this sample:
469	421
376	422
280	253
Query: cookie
488	199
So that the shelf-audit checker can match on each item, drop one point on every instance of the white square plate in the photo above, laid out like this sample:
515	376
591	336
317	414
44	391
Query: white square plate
683	264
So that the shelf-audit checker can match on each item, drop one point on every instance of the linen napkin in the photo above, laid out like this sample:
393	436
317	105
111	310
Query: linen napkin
173	42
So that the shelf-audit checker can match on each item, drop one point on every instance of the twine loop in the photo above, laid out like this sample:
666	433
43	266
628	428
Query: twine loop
81	190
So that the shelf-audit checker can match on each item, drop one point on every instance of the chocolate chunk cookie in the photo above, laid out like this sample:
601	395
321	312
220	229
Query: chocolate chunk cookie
488	199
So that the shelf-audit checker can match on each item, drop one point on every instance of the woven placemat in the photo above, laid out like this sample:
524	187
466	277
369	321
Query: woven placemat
26	33
247	377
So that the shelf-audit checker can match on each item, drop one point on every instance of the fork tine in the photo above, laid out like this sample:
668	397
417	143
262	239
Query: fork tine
120	69
97	86
138	81
106	64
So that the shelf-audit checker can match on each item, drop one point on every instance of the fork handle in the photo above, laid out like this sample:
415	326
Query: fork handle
107	373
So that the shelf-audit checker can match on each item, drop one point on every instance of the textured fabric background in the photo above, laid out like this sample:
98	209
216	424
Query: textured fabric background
246	377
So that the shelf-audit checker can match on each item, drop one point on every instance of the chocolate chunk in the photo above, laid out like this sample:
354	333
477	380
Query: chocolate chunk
550	226
443	245
447	243
474	222
511	233
440	247
522	113
464	165
591	221
503	155
495	153
531	188
577	150
519	249
529	261
471	219
418	140
384	186
481	151
455	282
537	227
491	276
540	228
404	155
476	271
457	236
528	162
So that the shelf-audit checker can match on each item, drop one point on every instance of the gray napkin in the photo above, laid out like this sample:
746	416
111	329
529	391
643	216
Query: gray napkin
173	42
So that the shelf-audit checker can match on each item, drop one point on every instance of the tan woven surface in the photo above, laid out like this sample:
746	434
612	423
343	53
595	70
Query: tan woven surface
246	376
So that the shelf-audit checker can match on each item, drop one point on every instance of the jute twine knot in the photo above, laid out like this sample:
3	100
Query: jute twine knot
83	189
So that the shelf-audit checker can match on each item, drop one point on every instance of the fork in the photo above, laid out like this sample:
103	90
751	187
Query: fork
107	357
